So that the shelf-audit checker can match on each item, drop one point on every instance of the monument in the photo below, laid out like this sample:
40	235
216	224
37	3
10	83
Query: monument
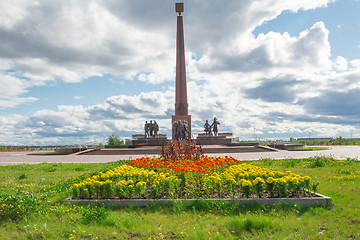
212	136
150	136
181	121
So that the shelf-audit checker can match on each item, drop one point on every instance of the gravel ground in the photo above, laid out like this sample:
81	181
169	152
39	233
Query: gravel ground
338	152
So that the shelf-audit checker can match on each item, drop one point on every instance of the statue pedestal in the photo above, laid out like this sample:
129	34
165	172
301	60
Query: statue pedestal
142	136
176	118
140	140
220	139
220	135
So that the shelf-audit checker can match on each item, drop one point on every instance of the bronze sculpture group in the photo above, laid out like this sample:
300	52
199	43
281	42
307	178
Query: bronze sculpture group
151	129
211	130
180	130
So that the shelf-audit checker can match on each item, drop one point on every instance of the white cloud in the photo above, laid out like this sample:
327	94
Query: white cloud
11	86
93	37
125	114
13	12
269	82
12	91
134	107
340	64
273	52
89	40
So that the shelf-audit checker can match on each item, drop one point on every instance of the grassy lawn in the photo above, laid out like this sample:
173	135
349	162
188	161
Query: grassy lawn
309	149
44	186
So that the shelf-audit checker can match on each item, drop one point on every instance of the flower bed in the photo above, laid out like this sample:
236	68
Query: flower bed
183	172
200	177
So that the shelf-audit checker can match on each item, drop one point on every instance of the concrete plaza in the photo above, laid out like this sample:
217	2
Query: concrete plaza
338	152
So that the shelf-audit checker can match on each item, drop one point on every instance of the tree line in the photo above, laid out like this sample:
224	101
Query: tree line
326	142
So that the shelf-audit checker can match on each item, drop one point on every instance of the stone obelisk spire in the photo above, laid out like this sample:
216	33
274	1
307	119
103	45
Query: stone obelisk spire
181	104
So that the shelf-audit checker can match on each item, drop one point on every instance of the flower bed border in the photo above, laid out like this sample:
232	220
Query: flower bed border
318	201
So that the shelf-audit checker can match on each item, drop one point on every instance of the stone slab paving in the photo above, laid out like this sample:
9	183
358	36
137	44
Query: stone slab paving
338	152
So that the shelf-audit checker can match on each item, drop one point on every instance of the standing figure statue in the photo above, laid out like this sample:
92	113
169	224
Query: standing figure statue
174	130
180	130
146	128
207	128
215	127
156	128
151	128
185	132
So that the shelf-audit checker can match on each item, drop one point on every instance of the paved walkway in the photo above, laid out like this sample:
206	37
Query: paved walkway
338	152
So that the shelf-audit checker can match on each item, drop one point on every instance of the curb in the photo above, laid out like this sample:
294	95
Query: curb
318	201
268	148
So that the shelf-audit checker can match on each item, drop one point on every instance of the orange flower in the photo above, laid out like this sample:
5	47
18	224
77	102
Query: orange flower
201	165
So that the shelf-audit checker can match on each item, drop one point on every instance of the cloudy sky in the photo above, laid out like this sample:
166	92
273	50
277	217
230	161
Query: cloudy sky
75	71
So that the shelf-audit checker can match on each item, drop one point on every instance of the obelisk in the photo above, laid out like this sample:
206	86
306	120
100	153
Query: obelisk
181	104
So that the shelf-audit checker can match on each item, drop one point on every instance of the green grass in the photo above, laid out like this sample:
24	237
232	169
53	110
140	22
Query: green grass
309	149
55	219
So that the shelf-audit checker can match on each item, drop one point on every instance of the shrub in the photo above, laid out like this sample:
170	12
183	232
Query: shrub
282	187
270	185
23	176
246	187
259	186
16	207
94	213
174	151
314	185
250	223
320	161
114	140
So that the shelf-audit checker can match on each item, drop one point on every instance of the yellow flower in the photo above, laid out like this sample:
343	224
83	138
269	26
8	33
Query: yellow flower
281	180
129	182
270	180
258	180
307	178
139	184
246	183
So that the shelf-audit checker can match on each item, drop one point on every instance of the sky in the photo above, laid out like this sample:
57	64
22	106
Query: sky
74	72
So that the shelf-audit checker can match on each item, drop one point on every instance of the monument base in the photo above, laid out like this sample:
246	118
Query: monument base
214	141
142	136
149	142
220	139
140	140
176	118
220	135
